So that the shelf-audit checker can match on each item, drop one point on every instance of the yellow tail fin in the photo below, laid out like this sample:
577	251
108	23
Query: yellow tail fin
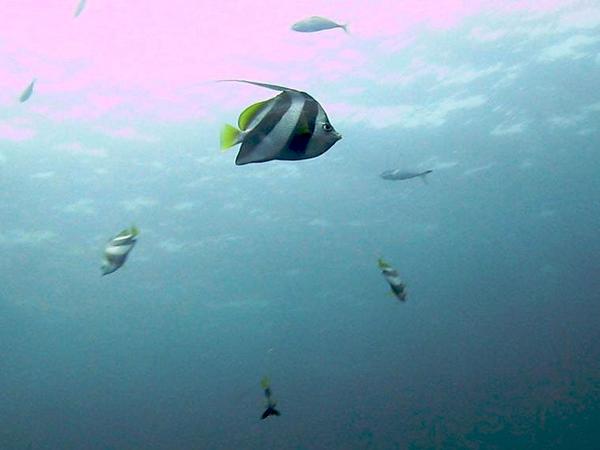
230	136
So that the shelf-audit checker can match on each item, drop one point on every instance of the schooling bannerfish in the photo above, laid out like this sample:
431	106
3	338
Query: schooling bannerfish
398	174
117	250
290	126
393	278
27	92
316	23
270	411
80	8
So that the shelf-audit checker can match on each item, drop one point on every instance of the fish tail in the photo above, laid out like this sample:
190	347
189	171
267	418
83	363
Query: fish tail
345	28
230	136
424	175
270	411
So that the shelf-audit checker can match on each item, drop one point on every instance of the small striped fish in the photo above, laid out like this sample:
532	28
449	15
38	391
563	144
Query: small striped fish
290	126
393	278
117	250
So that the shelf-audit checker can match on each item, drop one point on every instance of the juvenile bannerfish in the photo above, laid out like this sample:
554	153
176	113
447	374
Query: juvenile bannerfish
391	276
117	250
316	23
270	411
398	174
27	92
80	8
290	126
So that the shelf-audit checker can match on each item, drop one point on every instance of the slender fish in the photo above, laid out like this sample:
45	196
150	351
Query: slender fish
316	23
398	174
27	92
80	8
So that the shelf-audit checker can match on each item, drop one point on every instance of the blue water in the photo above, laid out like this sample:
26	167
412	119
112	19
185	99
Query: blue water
271	269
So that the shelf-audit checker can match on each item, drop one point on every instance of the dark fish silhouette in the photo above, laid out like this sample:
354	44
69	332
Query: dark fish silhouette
270	411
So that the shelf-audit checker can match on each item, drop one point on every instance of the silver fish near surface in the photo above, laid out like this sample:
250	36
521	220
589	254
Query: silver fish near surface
80	8
317	23
117	250
398	174
393	278
289	127
27	92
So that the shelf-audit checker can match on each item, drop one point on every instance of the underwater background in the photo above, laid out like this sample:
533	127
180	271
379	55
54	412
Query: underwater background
271	269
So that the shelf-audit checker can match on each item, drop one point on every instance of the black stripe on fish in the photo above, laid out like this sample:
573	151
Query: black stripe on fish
281	106
305	127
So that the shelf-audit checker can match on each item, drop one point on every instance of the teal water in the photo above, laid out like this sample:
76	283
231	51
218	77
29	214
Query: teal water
242	272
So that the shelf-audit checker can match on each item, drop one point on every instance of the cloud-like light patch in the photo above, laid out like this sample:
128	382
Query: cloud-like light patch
183	206
77	148
25	237
14	133
464	75
3	158
138	203
585	18
507	129
526	164
320	223
42	175
485	34
170	245
129	133
570	48
406	116
475	170
569	120
84	207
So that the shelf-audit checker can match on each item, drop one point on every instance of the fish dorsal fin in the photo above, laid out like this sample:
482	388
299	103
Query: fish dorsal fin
125	232
274	87
383	264
250	113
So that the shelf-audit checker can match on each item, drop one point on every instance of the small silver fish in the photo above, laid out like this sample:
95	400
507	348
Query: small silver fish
393	278
80	8
27	92
398	174
290	126
316	23
117	250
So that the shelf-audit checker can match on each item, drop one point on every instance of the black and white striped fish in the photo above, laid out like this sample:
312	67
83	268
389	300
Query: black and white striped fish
393	278
117	250
290	126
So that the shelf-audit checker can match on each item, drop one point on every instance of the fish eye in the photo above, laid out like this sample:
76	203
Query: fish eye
327	127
